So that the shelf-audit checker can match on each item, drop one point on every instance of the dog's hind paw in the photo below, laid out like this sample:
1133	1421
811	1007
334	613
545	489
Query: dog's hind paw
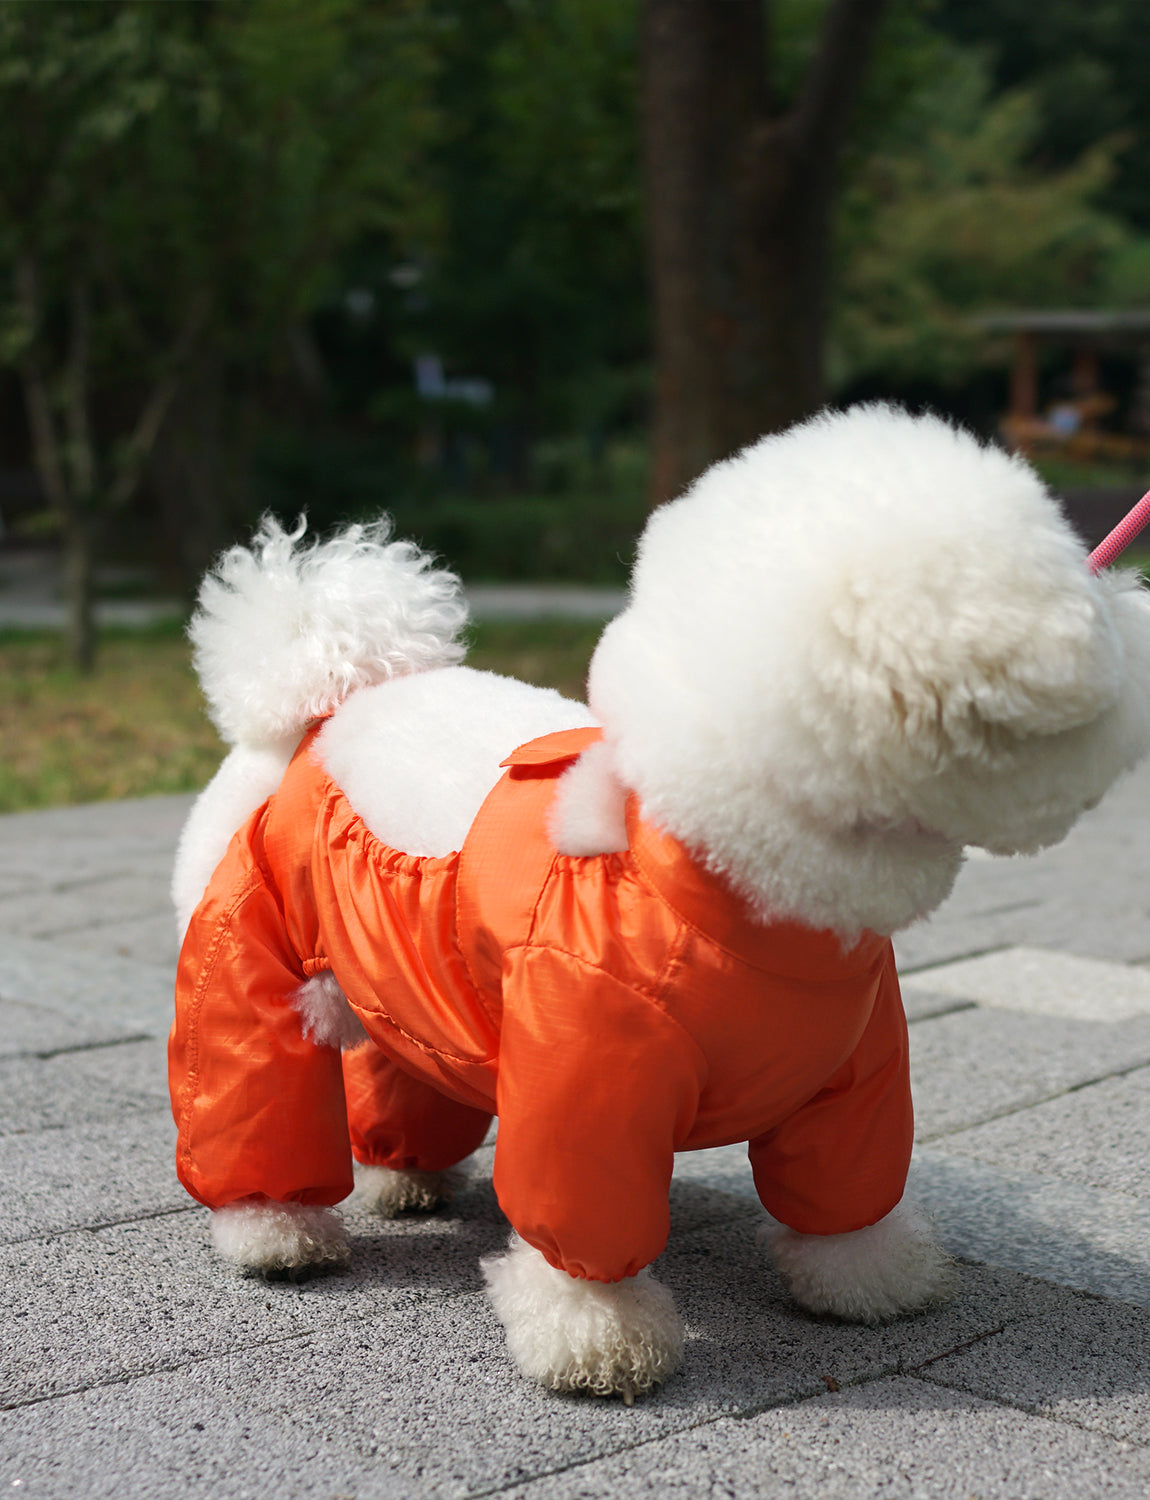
280	1240
389	1193
893	1267
617	1338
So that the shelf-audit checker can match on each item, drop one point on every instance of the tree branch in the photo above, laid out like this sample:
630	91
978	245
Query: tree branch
45	439
136	451
81	458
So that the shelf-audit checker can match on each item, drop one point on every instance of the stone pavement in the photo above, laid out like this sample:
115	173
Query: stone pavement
133	1364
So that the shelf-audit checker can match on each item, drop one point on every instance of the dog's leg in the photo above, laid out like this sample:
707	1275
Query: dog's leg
607	1338
406	1136
280	1239
892	1267
390	1192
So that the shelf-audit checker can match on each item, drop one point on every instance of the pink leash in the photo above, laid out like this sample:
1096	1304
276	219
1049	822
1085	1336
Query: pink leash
1121	537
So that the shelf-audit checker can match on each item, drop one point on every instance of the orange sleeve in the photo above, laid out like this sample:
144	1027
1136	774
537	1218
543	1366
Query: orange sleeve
596	1086
258	1106
840	1162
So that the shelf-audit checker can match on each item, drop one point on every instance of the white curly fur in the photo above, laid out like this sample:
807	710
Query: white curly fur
588	815
263	1236
247	777
325	1016
389	1193
283	632
606	1338
876	1273
855	648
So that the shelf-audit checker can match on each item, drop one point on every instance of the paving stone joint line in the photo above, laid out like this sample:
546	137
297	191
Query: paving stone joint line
905	970
1034	1103
80	1048
937	1015
96	1226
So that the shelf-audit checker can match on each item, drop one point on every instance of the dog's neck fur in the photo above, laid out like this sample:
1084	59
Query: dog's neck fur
873	876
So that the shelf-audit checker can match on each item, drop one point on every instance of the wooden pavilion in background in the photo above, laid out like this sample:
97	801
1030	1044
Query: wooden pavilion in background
1087	335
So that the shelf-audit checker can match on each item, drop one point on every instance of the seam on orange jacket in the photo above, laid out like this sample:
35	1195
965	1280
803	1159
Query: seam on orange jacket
247	887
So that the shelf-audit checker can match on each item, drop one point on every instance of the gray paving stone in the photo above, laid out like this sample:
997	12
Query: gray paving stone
526	601
12	882
922	1003
83	906
974	1065
28	1030
1097	1136
144	1366
1086	1362
148	939
1096	921
56	1180
898	1438
1037	981
421	1404
723	1167
396	1396
141	823
118	992
96	1085
96	1307
749	1345
1078	1237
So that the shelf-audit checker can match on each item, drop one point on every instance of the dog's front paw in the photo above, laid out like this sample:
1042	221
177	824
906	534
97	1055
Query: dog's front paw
892	1267
608	1338
389	1193
291	1240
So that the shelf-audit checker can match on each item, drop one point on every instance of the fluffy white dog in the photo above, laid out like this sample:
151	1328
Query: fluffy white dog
849	651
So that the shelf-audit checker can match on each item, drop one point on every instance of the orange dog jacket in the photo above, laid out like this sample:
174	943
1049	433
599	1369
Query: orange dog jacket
611	1010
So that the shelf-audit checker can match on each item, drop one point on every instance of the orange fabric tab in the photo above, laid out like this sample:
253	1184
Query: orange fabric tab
550	749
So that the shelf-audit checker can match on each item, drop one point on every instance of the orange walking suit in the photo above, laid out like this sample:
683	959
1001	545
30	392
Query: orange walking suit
611	1010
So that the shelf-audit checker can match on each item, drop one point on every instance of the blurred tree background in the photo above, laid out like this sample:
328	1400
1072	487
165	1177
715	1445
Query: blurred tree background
352	255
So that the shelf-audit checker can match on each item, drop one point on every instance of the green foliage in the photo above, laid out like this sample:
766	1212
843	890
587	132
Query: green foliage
579	523
1085	65
470	171
199	154
949	217
538	285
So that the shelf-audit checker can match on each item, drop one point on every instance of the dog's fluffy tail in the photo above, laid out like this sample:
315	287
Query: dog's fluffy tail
285	630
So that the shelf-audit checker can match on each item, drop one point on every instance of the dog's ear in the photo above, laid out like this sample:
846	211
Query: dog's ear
968	665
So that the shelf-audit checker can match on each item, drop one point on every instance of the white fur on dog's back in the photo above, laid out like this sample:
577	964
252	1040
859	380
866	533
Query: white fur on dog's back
416	757
284	632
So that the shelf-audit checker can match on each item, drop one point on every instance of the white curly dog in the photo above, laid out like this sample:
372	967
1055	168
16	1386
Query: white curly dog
849	652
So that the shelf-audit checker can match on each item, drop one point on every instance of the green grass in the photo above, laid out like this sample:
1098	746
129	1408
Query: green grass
1069	474
138	726
552	653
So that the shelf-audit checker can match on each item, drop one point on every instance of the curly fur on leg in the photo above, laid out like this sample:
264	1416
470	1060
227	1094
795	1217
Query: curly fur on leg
607	1338
389	1193
892	1267
280	1238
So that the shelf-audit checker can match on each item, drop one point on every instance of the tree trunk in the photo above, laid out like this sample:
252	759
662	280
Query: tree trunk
64	461
80	592
739	198
201	471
